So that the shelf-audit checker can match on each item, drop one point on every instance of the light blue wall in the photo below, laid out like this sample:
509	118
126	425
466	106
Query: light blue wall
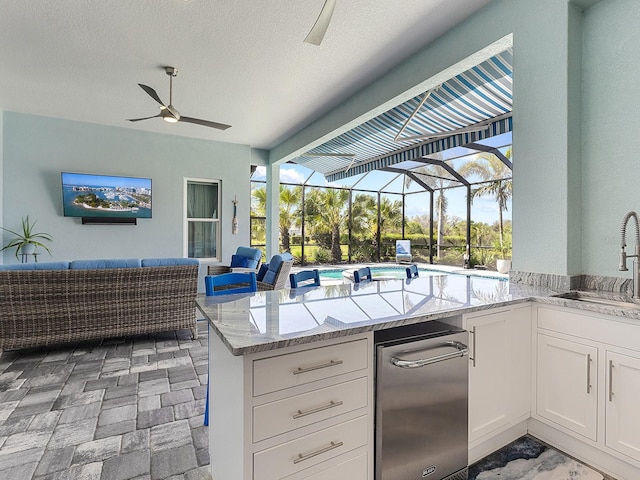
36	149
575	142
547	41
611	122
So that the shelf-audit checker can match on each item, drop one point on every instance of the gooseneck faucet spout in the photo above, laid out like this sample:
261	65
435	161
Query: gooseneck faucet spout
623	255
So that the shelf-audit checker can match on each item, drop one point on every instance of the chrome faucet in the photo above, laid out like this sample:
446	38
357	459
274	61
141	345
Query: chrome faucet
623	255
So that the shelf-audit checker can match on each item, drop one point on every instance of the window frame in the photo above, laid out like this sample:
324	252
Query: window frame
187	220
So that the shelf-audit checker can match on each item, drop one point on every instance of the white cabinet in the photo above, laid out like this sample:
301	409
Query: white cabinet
588	386
622	397
566	384
303	412
499	369
488	376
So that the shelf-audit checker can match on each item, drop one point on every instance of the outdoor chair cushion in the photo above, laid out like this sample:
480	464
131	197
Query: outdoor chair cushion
105	263
168	262
253	256
37	266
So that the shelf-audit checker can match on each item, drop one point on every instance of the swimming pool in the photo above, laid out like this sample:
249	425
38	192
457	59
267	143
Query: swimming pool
396	272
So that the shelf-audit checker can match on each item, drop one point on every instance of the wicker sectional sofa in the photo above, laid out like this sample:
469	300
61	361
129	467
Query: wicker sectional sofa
51	303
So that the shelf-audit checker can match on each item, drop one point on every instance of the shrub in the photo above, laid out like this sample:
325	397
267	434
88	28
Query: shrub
322	255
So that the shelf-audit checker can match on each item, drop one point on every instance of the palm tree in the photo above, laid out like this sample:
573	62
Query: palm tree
489	167
326	210
431	176
290	210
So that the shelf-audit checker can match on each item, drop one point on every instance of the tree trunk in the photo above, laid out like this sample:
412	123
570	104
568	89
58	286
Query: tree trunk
336	252
500	208
440	224
286	239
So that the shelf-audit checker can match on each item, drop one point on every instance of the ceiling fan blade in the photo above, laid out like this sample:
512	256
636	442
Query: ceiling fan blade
152	93
145	118
322	23
206	123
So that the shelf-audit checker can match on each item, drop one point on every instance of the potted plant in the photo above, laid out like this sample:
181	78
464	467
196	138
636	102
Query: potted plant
27	241
503	264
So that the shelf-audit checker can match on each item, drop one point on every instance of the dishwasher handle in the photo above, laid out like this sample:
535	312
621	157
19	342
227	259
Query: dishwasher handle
460	351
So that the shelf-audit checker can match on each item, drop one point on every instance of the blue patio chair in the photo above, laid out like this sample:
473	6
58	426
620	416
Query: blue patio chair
412	271
245	258
305	278
362	274
274	275
228	283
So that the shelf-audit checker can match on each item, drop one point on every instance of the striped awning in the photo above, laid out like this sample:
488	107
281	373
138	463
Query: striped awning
470	107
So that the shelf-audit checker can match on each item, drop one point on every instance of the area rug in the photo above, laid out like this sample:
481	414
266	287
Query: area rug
528	459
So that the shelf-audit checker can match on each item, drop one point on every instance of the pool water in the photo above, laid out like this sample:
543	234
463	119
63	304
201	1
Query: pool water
394	272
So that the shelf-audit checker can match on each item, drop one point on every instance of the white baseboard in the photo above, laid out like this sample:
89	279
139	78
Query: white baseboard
484	446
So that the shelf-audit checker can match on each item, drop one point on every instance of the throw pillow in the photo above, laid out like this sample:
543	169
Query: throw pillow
238	261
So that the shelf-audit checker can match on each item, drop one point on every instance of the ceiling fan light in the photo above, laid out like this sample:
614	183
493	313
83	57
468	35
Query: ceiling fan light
167	115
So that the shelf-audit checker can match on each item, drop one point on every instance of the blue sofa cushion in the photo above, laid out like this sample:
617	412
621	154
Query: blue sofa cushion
242	262
105	263
37	266
274	266
169	262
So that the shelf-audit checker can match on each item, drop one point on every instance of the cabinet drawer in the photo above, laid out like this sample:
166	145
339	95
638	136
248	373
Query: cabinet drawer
355	468
284	371
296	455
294	412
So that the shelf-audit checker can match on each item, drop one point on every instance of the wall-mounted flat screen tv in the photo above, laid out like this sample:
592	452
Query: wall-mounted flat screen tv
104	196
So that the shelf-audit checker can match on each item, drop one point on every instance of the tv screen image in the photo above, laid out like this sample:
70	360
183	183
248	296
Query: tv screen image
86	195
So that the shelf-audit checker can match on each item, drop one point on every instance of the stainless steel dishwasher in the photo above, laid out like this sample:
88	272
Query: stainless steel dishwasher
421	403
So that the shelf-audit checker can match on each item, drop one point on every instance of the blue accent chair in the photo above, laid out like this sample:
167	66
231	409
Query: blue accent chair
412	271
305	278
276	273
362	274
228	283
236	282
245	258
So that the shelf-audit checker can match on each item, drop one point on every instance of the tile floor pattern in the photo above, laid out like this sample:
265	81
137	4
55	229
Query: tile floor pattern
528	458
114	410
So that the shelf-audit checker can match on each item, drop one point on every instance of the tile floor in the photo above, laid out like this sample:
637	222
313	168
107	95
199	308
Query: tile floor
120	409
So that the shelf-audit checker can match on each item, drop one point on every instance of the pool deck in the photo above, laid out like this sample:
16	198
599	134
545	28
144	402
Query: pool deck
441	268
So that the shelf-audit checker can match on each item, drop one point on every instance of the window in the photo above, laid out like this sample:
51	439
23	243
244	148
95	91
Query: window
202	222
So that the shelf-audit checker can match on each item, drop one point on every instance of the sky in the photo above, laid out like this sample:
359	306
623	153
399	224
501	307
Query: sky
82	179
483	209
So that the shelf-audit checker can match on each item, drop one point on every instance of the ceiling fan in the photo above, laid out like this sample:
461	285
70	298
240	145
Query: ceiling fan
322	23
169	112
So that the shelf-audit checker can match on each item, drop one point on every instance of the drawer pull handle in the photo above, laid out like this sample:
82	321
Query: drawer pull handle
331	363
302	458
331	404
473	359
588	373
611	380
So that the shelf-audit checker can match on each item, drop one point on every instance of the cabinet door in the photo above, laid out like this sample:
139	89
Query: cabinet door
488	373
567	384
622	412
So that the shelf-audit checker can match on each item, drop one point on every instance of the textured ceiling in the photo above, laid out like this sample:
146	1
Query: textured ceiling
241	62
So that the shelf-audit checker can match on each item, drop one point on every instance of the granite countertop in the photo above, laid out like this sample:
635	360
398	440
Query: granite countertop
261	321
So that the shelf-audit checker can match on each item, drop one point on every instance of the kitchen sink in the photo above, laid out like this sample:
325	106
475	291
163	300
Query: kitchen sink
600	299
